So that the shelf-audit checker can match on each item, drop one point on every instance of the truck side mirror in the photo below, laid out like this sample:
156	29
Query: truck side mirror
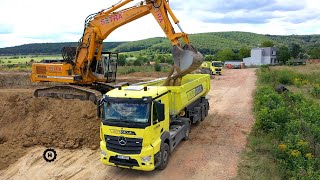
160	110
99	108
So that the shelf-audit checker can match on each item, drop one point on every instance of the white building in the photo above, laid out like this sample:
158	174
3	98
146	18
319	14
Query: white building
261	56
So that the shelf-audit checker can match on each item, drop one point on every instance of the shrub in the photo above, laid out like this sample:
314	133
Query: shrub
265	75
157	67
137	62
131	70
315	90
285	77
293	121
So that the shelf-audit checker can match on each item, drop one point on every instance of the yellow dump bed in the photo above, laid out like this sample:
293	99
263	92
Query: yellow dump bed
193	86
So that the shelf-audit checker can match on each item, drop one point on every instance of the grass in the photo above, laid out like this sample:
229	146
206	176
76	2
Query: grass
257	161
23	59
303	69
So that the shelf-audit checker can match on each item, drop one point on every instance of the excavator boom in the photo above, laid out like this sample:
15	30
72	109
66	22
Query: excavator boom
88	66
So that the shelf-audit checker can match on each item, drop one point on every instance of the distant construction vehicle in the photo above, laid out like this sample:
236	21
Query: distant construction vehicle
212	67
90	71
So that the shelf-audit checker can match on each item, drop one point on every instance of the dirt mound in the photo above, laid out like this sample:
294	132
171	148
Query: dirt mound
15	79
27	121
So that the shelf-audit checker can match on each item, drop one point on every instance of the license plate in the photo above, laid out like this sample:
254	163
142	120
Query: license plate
123	157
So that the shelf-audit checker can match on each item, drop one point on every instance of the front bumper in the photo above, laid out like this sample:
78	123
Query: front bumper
134	161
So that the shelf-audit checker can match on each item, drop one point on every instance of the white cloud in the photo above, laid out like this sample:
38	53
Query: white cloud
62	20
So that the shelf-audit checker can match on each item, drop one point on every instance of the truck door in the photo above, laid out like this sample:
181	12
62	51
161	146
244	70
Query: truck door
157	126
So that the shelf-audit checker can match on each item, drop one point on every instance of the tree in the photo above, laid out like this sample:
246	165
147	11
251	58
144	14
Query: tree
137	62
142	59
162	59
209	58
314	53
121	60
226	54
284	54
295	49
244	52
267	44
169	59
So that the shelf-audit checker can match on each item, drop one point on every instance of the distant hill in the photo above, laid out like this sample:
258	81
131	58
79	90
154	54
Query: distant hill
207	43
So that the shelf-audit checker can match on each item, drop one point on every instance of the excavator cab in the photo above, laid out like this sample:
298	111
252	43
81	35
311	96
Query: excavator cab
106	68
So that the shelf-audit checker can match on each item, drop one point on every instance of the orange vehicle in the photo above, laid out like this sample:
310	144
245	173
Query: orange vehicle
91	71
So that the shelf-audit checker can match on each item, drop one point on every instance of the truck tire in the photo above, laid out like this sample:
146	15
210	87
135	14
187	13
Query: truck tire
207	108
165	152
197	109
186	135
203	111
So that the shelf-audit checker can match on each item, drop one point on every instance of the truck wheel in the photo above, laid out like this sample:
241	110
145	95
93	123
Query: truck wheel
164	156
186	135
207	108
203	110
203	113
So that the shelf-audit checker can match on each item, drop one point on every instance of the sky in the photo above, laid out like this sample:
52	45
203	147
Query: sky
42	21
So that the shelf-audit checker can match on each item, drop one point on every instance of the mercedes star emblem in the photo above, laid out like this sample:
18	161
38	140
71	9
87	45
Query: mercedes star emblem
122	141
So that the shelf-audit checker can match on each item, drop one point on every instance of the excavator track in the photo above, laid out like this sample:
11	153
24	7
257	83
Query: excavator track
85	93
69	92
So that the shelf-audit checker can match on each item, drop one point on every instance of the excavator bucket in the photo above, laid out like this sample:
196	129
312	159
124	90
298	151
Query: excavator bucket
186	59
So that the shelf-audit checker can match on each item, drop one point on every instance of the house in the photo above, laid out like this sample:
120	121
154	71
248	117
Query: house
262	56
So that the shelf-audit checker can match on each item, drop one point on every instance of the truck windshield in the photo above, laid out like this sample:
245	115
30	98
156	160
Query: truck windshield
126	112
217	64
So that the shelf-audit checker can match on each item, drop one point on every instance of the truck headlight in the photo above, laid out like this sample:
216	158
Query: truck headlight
146	159
103	153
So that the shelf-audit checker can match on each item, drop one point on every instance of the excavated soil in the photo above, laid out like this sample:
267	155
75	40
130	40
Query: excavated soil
29	125
27	121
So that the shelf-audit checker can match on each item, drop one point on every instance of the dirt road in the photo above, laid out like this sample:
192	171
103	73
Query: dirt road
212	152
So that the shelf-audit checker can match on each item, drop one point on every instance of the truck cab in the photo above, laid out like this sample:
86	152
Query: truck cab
215	67
141	126
132	128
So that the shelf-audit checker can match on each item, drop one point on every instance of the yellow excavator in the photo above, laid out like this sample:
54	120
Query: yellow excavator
91	72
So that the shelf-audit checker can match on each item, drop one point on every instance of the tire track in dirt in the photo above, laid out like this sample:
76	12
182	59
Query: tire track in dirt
212	152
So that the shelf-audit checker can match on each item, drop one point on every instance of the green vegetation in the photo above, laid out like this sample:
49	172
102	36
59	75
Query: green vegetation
20	59
285	140
132	69
48	48
157	67
206	43
267	43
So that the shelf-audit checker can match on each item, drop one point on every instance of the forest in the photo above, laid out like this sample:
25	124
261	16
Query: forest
207	43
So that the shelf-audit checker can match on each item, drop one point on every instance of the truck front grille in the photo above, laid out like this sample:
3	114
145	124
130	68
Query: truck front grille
132	145
123	162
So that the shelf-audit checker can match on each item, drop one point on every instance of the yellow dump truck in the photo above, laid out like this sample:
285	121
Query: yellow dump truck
141	124
213	67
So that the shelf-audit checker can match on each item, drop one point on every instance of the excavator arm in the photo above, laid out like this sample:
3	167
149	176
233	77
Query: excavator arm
101	24
88	65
